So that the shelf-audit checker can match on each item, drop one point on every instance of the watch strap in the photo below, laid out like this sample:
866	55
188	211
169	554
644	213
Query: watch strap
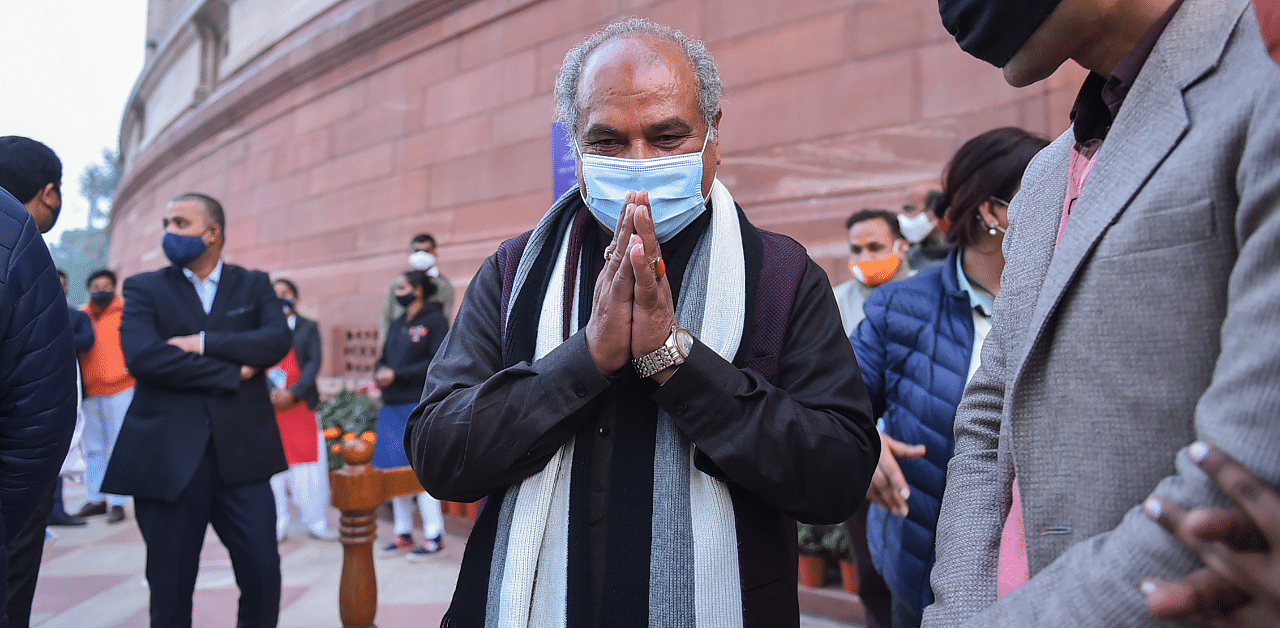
664	357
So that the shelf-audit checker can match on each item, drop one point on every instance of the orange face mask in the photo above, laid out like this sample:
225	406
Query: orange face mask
874	272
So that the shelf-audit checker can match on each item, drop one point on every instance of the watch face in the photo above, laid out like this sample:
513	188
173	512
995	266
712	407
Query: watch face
684	341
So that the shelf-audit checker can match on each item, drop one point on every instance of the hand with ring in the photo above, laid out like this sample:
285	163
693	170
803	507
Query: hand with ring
609	330
653	313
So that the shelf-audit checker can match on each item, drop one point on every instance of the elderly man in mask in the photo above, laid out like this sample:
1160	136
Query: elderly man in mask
1142	271
647	388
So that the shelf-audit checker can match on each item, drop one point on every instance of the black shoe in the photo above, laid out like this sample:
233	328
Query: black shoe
116	514
92	509
63	519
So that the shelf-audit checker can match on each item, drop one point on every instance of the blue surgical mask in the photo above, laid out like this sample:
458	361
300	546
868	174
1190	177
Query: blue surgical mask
674	184
183	249
405	299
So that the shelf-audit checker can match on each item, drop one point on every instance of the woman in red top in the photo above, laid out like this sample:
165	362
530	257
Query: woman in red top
293	393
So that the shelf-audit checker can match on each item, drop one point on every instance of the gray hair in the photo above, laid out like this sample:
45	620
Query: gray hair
710	87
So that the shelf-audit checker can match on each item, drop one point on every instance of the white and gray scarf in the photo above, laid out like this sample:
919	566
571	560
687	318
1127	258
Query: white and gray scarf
693	573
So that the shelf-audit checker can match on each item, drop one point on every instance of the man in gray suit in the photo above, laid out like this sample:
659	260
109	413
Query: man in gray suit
1138	310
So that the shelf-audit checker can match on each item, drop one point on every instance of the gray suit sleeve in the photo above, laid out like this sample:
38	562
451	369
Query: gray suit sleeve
1095	583
976	499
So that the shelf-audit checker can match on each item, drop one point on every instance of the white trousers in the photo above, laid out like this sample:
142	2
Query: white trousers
308	483
103	416
432	519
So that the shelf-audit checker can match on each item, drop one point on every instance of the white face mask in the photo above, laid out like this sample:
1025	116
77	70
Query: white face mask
422	260
916	228
674	184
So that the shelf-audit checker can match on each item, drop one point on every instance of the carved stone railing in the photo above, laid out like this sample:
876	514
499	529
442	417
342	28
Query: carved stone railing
358	488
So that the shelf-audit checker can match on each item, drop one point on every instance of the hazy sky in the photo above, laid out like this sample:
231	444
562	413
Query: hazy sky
68	67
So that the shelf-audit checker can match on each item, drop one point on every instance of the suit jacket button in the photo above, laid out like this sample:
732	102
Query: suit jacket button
604	431
580	392
681	408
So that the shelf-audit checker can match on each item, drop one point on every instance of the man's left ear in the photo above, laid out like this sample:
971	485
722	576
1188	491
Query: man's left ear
50	194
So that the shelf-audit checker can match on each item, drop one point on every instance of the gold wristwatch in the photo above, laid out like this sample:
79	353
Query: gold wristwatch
672	353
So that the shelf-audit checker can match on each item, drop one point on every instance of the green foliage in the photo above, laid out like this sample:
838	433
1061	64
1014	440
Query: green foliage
82	251
824	540
348	412
809	537
836	541
79	252
98	185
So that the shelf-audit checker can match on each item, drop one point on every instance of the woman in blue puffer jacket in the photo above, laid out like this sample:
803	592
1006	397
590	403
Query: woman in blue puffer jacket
918	346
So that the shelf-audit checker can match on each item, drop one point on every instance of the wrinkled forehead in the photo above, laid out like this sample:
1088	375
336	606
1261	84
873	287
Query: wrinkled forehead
639	70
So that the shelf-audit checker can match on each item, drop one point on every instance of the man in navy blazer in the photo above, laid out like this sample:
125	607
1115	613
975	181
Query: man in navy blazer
200	442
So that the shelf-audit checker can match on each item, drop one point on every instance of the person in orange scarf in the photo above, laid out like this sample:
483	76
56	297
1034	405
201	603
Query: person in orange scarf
108	391
294	394
877	254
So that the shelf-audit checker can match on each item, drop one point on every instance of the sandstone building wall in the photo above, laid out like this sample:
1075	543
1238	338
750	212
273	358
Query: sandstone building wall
334	130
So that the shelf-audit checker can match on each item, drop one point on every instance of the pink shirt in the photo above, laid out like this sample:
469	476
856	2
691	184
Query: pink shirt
1013	541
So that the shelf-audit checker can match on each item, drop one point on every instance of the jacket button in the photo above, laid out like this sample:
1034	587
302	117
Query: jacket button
680	408
580	392
604	431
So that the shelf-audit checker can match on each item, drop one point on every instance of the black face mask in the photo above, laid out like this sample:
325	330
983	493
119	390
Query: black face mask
405	299
101	299
993	30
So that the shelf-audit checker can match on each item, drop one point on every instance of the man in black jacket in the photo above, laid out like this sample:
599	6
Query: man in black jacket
199	442
649	389
31	172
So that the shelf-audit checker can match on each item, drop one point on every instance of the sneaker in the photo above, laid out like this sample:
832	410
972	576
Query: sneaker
429	547
399	547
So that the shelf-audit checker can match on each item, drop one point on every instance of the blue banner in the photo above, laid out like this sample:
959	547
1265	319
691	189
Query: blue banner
563	167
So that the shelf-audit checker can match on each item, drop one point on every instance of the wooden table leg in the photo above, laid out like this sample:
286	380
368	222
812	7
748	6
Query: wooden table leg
358	590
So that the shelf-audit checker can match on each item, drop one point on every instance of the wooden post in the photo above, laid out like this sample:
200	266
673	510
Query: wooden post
358	488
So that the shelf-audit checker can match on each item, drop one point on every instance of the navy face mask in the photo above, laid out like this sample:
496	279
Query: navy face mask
994	30
405	299
183	249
